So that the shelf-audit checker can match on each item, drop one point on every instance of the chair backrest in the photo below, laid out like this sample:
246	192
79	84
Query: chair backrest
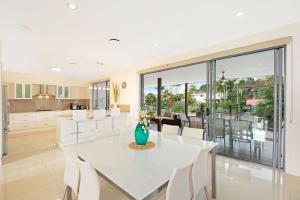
219	127
89	183
79	115
182	116
99	114
169	129
200	171
196	122
71	175
115	112
192	132
179	186
241	129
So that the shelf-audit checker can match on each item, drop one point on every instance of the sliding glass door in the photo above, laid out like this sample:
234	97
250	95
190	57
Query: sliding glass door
177	95
246	106
238	100
100	93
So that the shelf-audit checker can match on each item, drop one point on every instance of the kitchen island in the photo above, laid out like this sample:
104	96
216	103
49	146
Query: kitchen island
69	131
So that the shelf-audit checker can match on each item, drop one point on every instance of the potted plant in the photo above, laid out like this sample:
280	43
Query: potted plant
142	128
116	93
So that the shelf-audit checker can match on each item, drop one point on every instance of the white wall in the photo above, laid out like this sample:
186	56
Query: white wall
131	94
0	106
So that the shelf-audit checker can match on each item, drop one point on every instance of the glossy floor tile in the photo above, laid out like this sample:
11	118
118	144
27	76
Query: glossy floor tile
33	170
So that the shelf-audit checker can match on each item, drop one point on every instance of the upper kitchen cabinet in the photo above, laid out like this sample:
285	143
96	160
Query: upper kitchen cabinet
23	91
62	92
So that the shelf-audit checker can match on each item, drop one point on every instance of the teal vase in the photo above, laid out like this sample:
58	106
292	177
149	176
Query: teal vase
141	136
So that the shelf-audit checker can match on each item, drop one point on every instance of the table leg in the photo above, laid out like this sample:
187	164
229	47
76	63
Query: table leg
213	173
69	193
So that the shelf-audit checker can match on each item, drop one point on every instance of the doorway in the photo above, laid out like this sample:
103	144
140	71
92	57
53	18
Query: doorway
245	106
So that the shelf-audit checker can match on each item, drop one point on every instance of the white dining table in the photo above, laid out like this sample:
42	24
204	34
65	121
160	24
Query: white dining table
141	174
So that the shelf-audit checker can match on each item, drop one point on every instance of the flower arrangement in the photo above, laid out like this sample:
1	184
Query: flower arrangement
145	117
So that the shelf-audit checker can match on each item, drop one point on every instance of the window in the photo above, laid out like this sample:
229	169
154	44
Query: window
62	92
182	89
100	92
23	91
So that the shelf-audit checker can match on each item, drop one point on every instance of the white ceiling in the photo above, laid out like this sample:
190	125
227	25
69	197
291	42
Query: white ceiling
39	34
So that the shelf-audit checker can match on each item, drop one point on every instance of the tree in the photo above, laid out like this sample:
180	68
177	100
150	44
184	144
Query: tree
203	88
150	99
193	89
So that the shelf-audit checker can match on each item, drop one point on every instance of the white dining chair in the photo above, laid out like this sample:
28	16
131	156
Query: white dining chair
179	186
169	129
71	173
90	187
89	184
200	173
193	133
77	116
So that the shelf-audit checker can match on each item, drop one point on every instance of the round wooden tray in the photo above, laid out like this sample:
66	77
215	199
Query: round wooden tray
147	146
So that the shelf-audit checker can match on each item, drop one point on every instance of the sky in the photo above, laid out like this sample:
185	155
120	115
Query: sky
173	88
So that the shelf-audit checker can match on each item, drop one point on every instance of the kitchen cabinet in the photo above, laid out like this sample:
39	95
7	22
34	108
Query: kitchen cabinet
22	121
62	92
35	120
23	91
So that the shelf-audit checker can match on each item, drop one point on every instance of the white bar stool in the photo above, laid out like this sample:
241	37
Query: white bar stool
99	115
114	113
78	115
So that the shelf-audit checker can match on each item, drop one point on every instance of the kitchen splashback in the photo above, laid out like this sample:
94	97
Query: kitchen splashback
35	104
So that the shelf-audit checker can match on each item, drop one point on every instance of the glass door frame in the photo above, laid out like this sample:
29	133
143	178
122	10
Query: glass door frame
95	92
278	155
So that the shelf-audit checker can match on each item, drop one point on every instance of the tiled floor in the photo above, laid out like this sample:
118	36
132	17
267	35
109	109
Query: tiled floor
261	152
33	170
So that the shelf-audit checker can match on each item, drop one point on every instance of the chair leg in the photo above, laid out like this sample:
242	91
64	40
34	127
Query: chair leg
65	193
206	193
250	149
69	193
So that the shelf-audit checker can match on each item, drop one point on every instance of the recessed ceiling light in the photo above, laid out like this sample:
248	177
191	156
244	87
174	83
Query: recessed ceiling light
72	6
156	44
114	41
240	13
55	69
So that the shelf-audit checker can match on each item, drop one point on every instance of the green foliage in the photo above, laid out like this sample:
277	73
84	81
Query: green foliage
178	107
150	99
232	97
